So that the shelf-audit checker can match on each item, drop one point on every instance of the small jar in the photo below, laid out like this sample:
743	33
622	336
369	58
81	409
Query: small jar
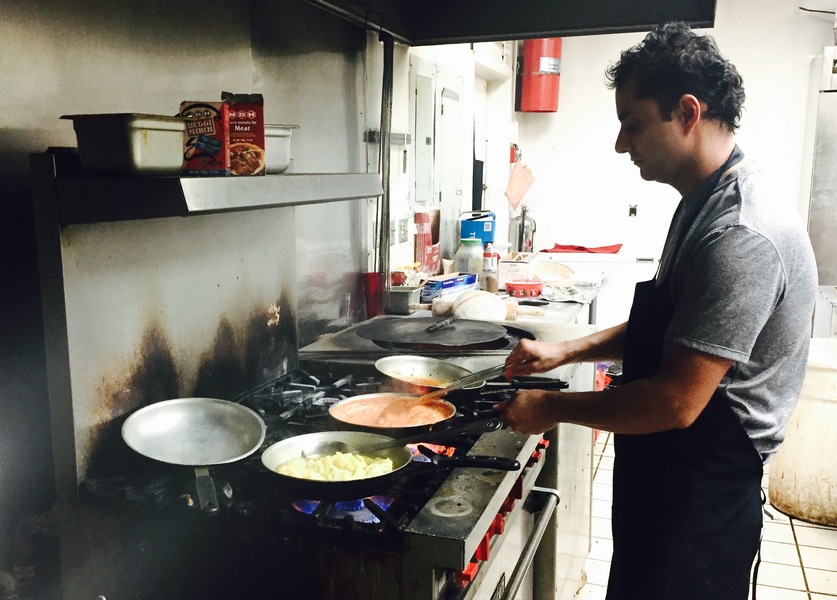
490	270
469	256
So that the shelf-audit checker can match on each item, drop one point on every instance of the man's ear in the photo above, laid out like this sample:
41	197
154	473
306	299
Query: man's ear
689	111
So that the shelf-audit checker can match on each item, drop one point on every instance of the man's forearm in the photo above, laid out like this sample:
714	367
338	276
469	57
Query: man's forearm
607	344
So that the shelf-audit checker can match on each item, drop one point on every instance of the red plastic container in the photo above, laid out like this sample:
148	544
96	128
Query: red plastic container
524	288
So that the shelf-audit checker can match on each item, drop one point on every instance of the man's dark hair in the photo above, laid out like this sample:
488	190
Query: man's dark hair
673	60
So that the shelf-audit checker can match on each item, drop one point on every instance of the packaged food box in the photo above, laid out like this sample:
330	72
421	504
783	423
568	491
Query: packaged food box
129	143
205	145
247	139
451	284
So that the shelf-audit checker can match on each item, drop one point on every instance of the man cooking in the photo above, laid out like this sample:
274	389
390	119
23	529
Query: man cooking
715	348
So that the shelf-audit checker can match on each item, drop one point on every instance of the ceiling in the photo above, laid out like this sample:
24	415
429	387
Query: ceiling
428	22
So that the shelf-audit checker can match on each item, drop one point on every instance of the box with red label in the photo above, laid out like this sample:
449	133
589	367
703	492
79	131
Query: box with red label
206	146
246	133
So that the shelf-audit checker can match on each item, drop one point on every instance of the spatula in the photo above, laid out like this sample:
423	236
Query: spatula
468	380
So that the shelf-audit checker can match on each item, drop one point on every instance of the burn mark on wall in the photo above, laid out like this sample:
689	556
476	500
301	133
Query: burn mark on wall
152	378
269	344
220	374
270	347
237	361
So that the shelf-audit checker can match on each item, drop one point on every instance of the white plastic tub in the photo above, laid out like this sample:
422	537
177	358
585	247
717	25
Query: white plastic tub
802	474
129	143
277	139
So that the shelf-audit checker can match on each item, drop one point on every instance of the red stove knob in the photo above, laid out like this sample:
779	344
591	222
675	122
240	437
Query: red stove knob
483	549
517	489
498	525
507	506
467	575
536	456
543	444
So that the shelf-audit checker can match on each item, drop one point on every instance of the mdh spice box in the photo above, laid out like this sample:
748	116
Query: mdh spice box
247	145
206	144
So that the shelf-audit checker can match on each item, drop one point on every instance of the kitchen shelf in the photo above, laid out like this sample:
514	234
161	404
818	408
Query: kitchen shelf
82	199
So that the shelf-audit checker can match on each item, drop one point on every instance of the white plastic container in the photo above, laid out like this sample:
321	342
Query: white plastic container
802	474
129	143
277	139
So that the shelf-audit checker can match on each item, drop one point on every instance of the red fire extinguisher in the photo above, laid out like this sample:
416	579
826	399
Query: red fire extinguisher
541	75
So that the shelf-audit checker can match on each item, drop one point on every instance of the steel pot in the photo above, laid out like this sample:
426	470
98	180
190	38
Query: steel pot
401	456
195	432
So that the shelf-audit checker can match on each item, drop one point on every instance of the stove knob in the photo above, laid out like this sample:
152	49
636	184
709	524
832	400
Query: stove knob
517	489
467	575
483	549
536	456
498	525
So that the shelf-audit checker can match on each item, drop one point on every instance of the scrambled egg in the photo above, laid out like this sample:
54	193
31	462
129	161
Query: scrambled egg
336	467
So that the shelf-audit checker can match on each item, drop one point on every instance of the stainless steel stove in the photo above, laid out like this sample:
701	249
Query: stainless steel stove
434	533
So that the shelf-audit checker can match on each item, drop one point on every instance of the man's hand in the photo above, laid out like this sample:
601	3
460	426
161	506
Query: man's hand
534	357
528	411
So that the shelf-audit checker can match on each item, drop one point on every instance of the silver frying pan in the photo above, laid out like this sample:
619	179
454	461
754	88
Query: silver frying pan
195	432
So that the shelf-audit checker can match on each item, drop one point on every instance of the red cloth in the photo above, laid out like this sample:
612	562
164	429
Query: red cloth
597	250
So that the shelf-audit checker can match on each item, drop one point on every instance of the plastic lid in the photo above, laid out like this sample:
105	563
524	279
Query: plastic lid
470	240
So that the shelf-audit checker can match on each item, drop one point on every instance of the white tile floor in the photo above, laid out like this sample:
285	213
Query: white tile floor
799	559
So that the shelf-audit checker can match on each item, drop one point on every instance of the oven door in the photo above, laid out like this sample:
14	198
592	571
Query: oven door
508	574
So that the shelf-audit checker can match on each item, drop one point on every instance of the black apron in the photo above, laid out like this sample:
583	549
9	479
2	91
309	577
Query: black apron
686	503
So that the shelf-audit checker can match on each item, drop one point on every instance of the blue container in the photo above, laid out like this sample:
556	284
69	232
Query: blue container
477	224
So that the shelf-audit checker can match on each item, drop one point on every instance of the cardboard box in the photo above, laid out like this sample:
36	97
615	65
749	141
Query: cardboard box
516	265
247	146
447	285
206	147
428	251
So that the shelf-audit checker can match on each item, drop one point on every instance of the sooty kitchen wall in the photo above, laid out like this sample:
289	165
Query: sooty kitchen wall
93	56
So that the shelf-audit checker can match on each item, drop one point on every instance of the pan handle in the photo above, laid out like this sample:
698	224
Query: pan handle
484	421
488	462
482	426
471	421
529	382
207	498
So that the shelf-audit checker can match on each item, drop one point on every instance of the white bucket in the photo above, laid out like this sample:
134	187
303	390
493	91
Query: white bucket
803	474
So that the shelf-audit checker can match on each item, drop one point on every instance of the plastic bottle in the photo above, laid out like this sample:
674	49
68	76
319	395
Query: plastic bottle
490	269
469	256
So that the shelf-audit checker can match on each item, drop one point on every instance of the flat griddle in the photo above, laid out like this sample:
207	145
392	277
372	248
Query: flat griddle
403	332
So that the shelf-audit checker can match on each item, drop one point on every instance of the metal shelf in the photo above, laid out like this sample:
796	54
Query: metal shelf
92	200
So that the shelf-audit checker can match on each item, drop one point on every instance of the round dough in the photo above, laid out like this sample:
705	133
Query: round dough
479	306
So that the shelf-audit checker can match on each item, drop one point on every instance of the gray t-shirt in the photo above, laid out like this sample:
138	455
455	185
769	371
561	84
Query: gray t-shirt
743	283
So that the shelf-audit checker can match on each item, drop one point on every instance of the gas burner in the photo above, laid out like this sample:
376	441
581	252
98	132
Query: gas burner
356	510
362	513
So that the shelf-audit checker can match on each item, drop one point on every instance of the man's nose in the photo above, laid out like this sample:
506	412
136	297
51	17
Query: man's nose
621	145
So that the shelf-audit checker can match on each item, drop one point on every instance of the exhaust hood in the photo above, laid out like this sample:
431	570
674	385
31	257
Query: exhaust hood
426	22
